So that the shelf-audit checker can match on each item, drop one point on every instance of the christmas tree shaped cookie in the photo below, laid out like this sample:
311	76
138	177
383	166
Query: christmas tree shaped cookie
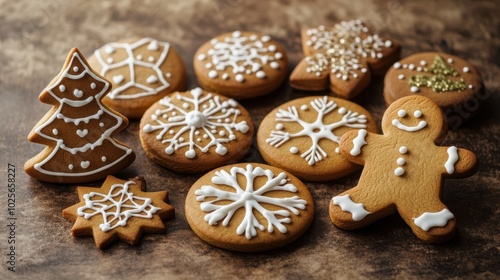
118	210
78	131
403	171
342	58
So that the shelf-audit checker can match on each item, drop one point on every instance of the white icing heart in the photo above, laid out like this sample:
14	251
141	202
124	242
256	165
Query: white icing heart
78	93
118	79
85	164
82	133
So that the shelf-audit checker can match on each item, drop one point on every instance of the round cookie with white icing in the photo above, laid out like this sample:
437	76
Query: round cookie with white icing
302	136
249	207
79	129
403	171
241	64
142	71
451	82
196	131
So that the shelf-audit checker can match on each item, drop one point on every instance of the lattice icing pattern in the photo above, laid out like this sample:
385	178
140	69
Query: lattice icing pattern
341	49
203	118
244	55
316	130
151	84
251	198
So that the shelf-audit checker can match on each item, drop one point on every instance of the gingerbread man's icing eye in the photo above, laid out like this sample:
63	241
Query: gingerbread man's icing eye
401	113
417	114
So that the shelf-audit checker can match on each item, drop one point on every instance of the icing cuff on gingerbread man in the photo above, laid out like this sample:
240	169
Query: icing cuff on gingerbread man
403	171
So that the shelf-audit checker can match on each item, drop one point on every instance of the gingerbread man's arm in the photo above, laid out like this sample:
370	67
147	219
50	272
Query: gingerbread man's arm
458	163
355	144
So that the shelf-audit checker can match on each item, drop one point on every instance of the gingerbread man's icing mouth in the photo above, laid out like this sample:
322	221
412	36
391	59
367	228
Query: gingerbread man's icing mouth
416	114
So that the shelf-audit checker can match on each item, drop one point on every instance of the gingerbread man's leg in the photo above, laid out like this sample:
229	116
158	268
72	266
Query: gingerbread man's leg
354	209
432	222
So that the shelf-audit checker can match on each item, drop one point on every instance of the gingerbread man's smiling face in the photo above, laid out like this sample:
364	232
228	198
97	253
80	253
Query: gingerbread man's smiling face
416	119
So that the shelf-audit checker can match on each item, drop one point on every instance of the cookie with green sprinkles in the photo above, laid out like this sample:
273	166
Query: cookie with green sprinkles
452	83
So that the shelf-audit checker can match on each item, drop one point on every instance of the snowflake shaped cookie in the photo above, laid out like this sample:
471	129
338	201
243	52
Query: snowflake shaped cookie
308	131
119	209
198	123
241	61
344	55
249	200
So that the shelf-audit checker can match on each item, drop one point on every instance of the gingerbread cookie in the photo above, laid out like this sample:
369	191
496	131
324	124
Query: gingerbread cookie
249	207
451	82
403	171
120	209
142	72
302	136
78	131
343	58
196	131
241	65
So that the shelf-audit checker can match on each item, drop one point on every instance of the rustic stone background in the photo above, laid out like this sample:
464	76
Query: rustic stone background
35	38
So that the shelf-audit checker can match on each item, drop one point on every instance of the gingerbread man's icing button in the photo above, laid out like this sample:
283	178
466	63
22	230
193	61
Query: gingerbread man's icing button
415	196
241	64
342	57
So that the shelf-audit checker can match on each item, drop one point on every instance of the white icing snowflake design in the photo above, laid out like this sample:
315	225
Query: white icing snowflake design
250	199
208	121
340	49
155	83
117	206
316	130
245	55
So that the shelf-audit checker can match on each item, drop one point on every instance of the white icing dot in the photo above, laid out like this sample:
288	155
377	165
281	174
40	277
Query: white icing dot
399	171
70	167
212	74
342	110
388	43
236	34
222	133
185	105
181	139
466	70
403	149
419	69
253	37
110	60
265	38
55	131
260	74
423	63
208	65
364	70
225	76
109	50
202	57
62	88
152	79
248	71
75	69
198	139
337	150
450	60
414	89
205	136
138	57
401	76
168	75
417	114
279	126
397	65
411	66
153	46
239	78
274	65
151	59
101	124
103	158
401	113
405	65
278	55
272	48
471	86
400	161
304	107
118	79
294	150
92	85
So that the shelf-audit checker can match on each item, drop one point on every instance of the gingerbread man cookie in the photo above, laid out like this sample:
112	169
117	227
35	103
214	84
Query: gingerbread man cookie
343	58
403	171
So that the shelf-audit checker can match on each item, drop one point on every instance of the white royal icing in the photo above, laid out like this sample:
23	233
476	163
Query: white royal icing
452	159
116	207
249	198
416	114
208	116
357	210
358	142
155	83
244	55
64	102
429	220
316	130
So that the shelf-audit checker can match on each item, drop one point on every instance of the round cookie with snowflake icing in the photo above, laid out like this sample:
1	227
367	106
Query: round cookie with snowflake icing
249	207
142	71
241	64
196	131
302	136
451	82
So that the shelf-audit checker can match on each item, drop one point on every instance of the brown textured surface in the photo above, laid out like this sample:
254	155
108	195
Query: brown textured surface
35	38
